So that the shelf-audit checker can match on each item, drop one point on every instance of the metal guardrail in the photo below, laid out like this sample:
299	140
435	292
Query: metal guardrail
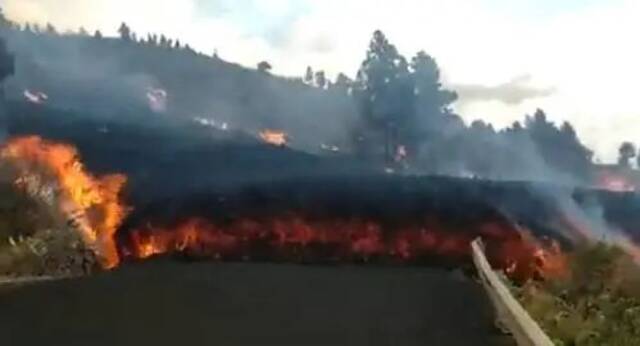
510	313
28	280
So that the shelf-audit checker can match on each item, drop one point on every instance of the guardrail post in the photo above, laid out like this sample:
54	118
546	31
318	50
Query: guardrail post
524	329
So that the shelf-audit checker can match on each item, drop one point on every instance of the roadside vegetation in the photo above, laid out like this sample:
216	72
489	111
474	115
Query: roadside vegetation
35	239
596	303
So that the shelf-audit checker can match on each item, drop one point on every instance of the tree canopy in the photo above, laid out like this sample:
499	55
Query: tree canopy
626	152
7	61
125	32
264	66
403	101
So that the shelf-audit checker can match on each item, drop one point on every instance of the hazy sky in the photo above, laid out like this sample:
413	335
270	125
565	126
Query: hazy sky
577	59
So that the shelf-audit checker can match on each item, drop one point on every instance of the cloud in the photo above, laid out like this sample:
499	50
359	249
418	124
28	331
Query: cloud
512	92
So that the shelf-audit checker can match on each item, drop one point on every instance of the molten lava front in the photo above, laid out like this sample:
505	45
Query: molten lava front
294	238
274	137
96	206
616	182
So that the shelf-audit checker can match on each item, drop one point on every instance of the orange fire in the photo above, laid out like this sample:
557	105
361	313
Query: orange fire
293	238
525	257
96	206
274	137
94	202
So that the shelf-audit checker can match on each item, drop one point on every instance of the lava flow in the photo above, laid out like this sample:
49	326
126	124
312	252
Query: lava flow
97	209
93	202
292	238
615	182
273	137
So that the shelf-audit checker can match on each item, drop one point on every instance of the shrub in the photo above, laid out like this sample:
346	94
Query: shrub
598	303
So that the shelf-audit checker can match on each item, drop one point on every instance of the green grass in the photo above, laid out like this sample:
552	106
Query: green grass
598	303
35	238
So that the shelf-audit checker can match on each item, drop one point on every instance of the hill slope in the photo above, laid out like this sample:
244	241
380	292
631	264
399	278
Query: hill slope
111	76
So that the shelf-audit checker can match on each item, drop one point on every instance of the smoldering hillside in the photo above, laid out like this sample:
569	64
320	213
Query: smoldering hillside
97	98
181	170
169	157
110	78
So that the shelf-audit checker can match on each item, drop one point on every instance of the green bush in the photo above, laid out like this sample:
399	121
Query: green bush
598	303
35	237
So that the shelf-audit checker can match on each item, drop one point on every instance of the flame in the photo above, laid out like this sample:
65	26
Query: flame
157	99
36	97
295	238
615	182
93	202
274	137
528	258
95	205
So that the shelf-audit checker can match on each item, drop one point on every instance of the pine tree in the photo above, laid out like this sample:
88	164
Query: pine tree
125	32
308	76
385	94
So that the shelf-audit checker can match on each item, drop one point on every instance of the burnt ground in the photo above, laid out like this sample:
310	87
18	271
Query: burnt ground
172	303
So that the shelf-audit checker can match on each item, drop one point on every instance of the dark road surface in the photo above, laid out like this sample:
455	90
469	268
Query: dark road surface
172	303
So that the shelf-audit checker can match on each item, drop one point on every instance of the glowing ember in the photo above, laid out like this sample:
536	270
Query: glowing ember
92	202
293	238
157	99
615	182
36	97
524	258
274	137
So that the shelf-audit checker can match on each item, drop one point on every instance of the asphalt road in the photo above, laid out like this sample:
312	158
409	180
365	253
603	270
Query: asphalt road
172	303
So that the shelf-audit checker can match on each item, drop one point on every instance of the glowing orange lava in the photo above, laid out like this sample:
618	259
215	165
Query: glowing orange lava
274	137
292	238
94	202
615	182
96	206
